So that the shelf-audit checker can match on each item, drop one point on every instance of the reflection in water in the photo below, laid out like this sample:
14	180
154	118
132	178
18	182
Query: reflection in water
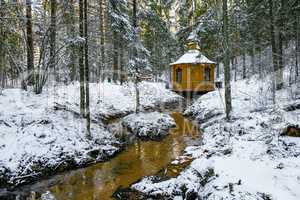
143	158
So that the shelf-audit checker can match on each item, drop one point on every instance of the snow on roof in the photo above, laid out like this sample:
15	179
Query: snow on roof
193	56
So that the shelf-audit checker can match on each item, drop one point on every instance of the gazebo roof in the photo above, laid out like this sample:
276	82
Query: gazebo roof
193	56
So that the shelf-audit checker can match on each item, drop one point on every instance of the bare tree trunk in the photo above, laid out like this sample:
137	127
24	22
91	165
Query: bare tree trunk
53	38
279	72
2	51
87	71
253	58
108	44
236	41
102	39
297	44
226	62
115	57
136	81
81	61
29	45
70	26
231	63
122	75
218	67
244	65
274	50
235	68
259	62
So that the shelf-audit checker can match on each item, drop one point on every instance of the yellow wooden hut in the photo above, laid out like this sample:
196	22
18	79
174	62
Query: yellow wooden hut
192	72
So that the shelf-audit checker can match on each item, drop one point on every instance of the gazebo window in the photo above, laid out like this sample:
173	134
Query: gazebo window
207	74
178	75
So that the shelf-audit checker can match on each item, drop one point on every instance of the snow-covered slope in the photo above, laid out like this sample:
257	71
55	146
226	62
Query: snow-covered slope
248	157
43	134
110	101
34	136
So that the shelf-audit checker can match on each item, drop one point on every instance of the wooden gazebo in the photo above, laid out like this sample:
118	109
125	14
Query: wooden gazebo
192	72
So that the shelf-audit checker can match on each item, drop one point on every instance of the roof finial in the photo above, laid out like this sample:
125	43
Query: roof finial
193	46
192	41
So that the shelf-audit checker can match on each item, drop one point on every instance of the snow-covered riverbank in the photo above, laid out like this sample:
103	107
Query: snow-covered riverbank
43	134
153	125
245	158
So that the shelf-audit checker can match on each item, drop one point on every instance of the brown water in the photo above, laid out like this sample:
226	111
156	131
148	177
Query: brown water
141	159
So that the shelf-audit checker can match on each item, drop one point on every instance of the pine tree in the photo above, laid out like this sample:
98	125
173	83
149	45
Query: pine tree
2	42
274	49
157	37
52	59
297	44
81	60
86	71
136	78
226	61
279	80
29	45
71	48
102	38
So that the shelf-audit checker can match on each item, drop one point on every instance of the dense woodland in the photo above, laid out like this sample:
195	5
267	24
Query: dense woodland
90	81
56	41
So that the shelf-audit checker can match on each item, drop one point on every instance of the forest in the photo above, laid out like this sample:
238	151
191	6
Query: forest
149	99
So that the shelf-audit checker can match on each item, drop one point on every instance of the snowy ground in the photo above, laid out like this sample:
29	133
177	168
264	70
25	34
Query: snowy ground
152	125
116	101
42	134
245	158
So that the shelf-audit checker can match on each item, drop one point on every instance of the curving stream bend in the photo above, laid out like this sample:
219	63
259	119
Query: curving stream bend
142	158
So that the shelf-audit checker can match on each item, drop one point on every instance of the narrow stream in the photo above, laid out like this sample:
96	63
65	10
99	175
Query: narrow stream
140	159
